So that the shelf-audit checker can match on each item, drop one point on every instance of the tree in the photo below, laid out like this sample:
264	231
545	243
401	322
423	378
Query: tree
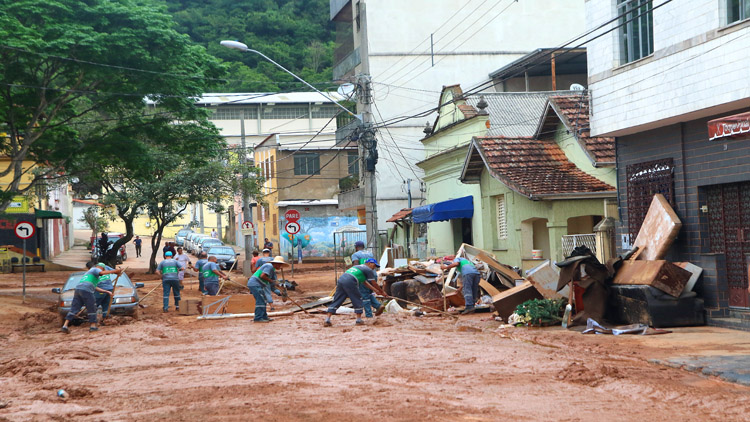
97	219
68	67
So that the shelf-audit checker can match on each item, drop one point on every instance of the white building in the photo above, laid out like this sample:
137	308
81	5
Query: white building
670	82
415	47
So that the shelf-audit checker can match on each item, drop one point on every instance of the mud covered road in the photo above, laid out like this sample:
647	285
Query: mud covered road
400	368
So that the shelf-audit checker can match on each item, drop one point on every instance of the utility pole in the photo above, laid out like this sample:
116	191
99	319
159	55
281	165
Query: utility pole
247	213
367	142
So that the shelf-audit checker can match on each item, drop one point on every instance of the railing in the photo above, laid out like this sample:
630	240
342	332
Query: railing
572	241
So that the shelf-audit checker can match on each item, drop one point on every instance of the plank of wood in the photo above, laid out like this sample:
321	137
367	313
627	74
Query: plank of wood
311	305
507	301
661	274
498	267
489	288
658	231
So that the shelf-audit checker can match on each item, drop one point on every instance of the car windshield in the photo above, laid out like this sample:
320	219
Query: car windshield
221	251
184	232
75	278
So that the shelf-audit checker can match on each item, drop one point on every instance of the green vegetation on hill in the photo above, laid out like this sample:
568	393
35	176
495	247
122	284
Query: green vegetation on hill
295	33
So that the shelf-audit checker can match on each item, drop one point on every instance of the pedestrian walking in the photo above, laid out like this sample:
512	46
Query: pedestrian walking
84	296
137	242
211	274
347	286
184	260
264	276
214	234
198	266
369	301
469	277
169	269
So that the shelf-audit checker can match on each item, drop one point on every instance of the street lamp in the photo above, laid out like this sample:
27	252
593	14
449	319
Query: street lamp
243	47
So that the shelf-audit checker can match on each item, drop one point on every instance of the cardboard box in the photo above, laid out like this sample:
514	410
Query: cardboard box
507	301
190	307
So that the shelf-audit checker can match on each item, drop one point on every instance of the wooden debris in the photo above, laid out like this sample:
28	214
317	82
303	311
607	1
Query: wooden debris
545	279
658	231
507	301
662	275
237	304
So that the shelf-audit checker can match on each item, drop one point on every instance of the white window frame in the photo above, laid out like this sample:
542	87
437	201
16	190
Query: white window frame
635	30
743	10
501	217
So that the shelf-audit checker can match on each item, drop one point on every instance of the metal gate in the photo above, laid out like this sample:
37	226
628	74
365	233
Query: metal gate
729	233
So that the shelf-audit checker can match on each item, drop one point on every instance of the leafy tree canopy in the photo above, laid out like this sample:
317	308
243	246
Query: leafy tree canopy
295	33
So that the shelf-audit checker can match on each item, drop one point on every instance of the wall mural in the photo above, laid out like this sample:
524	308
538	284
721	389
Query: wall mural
316	235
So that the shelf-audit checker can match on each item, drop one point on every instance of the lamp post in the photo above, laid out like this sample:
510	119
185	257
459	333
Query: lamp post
366	122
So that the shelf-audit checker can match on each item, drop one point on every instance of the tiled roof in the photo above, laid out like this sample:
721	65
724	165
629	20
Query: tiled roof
514	114
573	109
467	110
535	167
405	212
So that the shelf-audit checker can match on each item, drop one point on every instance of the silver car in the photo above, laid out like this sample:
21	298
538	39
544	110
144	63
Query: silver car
225	256
191	239
125	301
179	238
207	242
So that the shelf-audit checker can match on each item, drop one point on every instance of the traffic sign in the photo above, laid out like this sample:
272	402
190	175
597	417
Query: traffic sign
247	225
292	215
24	230
292	227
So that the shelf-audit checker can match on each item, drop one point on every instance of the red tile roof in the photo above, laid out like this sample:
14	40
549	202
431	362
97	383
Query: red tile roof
405	212
535	167
573	110
467	110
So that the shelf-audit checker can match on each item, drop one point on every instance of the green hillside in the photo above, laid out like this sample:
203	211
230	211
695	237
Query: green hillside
295	33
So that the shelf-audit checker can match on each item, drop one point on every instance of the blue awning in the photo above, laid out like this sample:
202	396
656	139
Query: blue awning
444	211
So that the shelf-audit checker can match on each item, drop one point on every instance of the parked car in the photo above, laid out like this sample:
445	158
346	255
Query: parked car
225	256
125	302
112	237
179	238
192	243
207	242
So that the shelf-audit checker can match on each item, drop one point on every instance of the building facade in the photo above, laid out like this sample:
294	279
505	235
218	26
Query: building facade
413	47
656	82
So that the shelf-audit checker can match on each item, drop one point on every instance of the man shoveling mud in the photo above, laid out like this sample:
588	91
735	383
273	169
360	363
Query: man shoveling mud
264	277
84	296
348	286
369	301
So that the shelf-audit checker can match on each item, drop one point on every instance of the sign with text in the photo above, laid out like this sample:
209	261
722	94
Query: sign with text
729	127
292	215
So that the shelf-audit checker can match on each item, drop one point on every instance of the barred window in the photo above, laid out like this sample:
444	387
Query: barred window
326	112
306	164
285	112
644	180
502	223
233	113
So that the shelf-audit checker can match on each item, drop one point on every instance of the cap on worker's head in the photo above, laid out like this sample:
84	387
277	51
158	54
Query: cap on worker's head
372	261
266	250
168	253
101	264
359	244
279	260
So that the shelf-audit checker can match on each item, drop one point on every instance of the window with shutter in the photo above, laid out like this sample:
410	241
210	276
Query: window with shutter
502	226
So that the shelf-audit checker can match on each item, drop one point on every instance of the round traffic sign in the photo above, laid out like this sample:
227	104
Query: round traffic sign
24	230
247	225
292	227
292	215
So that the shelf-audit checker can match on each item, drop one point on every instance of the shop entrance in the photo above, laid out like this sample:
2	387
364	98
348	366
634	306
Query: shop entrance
729	232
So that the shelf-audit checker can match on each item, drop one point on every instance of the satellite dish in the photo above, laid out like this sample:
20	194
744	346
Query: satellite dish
577	87
345	90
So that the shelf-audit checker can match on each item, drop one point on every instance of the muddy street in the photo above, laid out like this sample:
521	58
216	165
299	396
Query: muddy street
396	367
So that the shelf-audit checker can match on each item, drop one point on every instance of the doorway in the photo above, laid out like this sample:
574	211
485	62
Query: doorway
729	233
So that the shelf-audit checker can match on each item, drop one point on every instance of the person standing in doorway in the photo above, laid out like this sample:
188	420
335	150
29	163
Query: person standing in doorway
469	277
137	242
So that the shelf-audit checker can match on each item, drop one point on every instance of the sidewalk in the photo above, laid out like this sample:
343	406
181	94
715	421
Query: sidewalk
707	350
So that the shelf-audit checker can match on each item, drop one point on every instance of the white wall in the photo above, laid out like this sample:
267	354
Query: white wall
406	84
699	68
